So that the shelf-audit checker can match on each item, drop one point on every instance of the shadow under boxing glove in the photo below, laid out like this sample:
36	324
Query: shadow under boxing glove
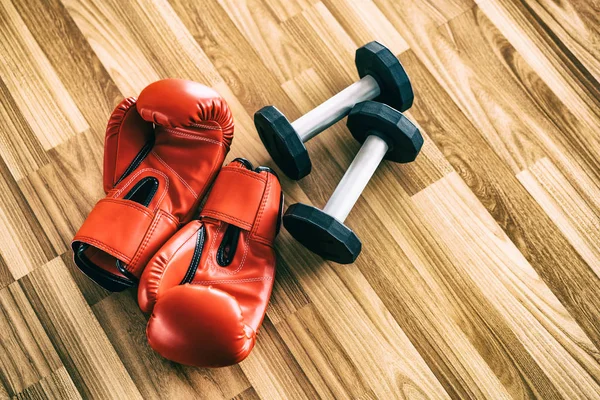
161	154
208	287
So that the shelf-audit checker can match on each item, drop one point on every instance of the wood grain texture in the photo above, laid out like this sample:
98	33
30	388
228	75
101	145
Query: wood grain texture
56	386
33	83
480	270
75	333
27	353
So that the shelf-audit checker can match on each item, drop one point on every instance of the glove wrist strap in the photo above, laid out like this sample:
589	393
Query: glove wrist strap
236	197
127	231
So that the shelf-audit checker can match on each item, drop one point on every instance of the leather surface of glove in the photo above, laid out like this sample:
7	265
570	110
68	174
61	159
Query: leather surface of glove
208	287
161	154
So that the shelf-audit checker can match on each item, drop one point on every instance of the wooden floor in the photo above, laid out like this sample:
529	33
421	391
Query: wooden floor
480	270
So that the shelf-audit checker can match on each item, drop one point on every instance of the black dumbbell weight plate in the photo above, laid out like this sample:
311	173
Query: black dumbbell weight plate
322	234
282	142
391	125
378	61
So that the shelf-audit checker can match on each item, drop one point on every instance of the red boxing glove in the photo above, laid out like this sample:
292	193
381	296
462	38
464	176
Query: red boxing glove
161	154
209	285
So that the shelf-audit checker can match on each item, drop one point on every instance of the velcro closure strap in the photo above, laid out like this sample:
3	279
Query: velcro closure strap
236	197
116	227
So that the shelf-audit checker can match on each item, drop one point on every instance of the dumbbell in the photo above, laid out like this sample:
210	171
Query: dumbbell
382	79
385	133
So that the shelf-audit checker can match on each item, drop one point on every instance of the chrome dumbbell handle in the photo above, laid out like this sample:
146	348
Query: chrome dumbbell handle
334	109
357	176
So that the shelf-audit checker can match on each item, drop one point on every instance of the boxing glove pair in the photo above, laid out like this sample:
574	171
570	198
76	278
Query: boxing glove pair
207	284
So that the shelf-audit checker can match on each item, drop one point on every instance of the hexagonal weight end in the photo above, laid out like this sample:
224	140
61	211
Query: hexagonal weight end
402	136
282	142
322	234
378	61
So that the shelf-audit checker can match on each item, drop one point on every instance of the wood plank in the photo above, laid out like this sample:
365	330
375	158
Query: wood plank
91	291
509	287
262	29
214	30
82	73
533	120
553	61
364	22
33	83
287	296
58	385
24	243
120	34
577	220
523	220
27	354
248	394
19	147
285	9
521	118
326	45
272	370
458	69
368	396
58	205
575	24
356	317
75	333
5	274
320	355
407	266
441	11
